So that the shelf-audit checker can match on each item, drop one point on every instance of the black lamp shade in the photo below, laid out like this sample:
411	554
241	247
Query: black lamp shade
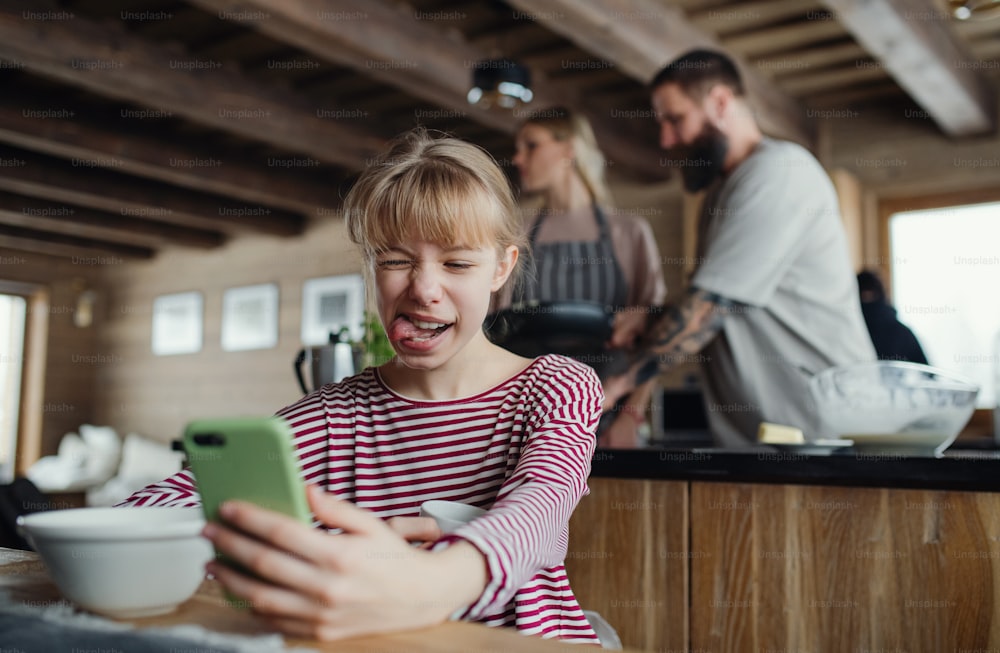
500	81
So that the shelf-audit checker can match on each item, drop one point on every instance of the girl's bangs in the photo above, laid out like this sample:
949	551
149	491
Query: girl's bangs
435	205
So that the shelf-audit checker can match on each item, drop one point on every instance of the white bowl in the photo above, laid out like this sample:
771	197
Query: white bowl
449	515
893	406
122	562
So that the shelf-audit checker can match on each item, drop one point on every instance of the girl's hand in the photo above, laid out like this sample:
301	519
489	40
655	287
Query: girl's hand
367	579
422	530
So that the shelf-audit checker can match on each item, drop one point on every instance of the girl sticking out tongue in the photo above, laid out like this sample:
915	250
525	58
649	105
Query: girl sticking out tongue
451	417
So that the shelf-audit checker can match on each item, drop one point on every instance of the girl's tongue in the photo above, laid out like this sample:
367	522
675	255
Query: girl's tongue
403	329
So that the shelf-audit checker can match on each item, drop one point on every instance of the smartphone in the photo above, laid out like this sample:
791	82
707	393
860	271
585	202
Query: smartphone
251	459
248	458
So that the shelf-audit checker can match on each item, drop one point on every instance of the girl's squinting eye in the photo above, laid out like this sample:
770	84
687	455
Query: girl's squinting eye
459	265
392	263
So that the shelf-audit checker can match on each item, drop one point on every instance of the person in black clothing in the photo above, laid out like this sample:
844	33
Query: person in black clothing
893	340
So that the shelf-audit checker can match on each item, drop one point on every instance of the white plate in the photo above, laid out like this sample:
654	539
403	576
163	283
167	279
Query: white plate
815	448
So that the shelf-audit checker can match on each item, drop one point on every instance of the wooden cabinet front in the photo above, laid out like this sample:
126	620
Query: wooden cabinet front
628	559
813	568
701	566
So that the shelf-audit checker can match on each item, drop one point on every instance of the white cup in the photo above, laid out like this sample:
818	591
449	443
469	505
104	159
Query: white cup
449	515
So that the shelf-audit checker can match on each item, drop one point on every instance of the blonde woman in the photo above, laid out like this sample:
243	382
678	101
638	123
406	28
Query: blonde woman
583	250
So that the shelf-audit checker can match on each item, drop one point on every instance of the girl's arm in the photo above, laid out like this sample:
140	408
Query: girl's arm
526	529
177	491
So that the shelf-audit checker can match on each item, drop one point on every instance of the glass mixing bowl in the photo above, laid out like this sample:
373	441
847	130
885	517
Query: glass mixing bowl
893	406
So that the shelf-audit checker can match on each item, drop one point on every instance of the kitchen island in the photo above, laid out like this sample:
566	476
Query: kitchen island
767	550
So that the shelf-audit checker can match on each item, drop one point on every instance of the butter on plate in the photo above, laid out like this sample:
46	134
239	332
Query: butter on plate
769	433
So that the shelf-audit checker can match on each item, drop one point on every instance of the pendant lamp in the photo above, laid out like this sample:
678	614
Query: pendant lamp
500	82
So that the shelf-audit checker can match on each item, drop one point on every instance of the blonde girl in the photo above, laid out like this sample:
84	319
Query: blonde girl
451	417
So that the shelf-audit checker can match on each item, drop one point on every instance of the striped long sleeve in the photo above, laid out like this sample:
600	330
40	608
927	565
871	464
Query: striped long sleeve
521	450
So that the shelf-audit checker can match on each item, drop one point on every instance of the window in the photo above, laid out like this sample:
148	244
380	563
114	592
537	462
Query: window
12	319
946	287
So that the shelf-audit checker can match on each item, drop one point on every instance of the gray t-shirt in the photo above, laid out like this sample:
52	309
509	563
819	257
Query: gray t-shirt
771	239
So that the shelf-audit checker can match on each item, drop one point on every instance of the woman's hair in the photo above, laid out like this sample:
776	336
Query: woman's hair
567	126
437	189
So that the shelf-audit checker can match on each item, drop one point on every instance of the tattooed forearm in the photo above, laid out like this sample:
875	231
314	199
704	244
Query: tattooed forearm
685	329
678	333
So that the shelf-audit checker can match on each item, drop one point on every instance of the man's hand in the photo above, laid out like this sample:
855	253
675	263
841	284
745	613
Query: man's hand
623	433
616	387
629	325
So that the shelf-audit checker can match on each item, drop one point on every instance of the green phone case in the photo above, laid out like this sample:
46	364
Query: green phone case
250	459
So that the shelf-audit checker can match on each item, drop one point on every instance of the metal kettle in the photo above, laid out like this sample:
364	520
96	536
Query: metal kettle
329	363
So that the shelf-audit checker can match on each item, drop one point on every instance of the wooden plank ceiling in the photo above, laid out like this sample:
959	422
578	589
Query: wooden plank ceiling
134	125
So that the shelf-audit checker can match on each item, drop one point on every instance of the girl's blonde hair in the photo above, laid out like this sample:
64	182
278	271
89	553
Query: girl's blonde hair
440	190
588	160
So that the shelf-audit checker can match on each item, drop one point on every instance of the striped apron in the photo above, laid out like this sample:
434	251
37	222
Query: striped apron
575	270
566	271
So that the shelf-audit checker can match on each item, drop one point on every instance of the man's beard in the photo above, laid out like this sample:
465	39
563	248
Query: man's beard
702	161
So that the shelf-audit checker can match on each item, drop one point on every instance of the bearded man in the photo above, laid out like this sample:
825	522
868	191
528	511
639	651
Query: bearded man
773	299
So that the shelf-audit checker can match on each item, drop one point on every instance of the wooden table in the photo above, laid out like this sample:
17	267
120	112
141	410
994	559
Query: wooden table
24	577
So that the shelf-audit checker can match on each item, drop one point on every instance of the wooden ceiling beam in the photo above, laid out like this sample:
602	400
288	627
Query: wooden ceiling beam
925	57
171	161
812	60
378	39
822	81
785	38
641	36
87	183
746	16
976	29
35	240
987	49
108	60
20	211
839	99
384	41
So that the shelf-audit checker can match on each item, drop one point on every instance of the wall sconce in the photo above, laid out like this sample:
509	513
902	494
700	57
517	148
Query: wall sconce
502	82
83	316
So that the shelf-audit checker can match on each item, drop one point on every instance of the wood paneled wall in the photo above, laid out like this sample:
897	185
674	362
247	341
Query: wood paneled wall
898	155
156	395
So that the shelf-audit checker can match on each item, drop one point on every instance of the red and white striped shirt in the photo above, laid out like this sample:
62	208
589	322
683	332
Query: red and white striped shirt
522	450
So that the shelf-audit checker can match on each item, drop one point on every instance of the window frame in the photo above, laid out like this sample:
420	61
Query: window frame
981	424
28	447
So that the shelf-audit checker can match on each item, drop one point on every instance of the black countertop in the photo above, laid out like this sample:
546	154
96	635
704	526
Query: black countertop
959	469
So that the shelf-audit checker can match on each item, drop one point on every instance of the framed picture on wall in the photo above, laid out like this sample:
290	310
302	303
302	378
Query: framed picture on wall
250	317
177	323
331	303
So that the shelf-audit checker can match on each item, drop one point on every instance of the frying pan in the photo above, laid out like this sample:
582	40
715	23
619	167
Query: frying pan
572	328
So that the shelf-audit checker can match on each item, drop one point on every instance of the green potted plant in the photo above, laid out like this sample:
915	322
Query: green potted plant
376	342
